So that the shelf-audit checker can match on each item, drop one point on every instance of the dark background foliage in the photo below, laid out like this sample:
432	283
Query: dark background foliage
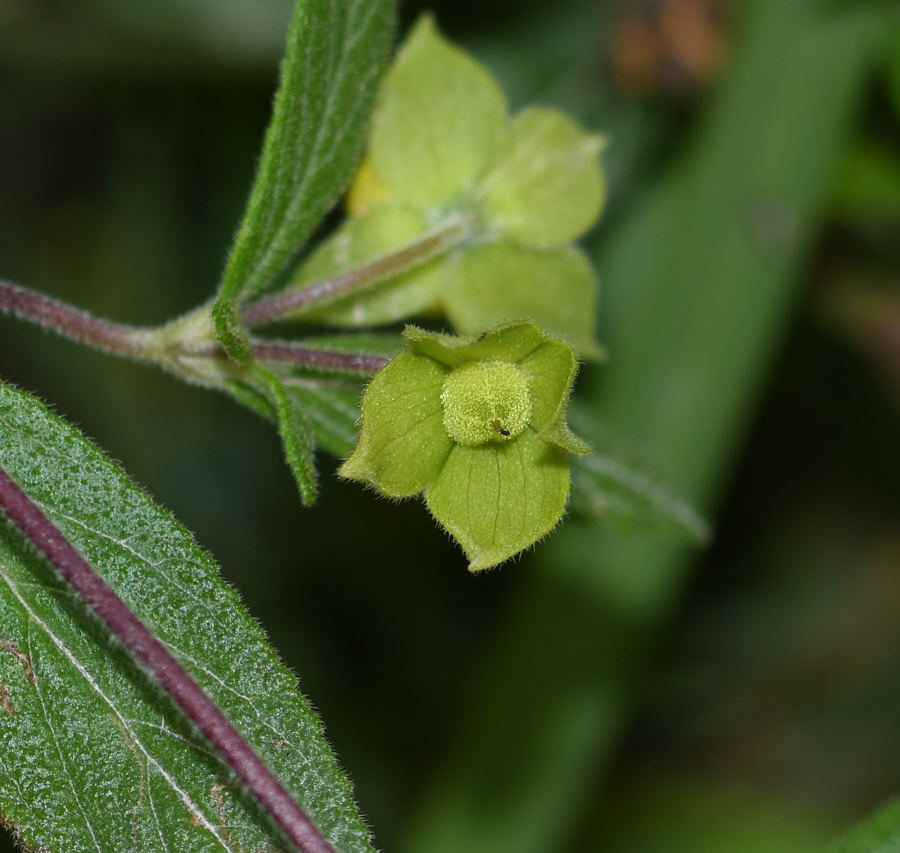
768	719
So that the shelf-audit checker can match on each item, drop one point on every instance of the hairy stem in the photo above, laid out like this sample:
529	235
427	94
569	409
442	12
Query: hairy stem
341	362
272	308
78	325
146	344
164	669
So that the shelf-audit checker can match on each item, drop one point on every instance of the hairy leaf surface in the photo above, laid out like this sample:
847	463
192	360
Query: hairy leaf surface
336	50
92	756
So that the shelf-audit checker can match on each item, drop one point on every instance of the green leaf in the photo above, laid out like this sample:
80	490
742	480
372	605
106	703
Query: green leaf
496	282
92	756
296	435
871	182
438	118
402	444
330	407
329	75
546	188
704	274
615	486
497	499
250	397
608	488
227	319
879	833
362	343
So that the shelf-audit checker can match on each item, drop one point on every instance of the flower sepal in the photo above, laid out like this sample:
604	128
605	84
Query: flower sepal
476	424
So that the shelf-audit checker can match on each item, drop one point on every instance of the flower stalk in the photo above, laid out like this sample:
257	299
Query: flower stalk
413	254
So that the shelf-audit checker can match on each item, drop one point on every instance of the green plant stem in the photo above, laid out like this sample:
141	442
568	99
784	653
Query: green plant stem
158	346
163	668
433	244
78	325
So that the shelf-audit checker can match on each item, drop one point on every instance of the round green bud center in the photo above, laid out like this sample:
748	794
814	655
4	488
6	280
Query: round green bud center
485	401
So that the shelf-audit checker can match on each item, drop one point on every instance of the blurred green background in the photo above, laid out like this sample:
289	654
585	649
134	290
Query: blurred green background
608	691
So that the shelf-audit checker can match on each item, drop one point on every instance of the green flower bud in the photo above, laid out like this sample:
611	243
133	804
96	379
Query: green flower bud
477	425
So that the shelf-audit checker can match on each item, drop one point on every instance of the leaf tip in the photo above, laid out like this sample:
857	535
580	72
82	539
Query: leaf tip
227	320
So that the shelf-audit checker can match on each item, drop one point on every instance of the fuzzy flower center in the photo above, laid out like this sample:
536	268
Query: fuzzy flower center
485	401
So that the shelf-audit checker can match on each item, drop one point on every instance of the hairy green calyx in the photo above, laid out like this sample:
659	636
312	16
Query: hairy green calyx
485	401
477	425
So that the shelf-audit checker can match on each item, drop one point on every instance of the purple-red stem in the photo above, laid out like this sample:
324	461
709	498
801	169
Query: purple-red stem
272	308
74	323
164	669
343	362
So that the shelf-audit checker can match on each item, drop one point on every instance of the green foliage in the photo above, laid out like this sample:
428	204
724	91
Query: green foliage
227	319
460	213
329	75
613	486
441	150
92	756
477	424
296	436
704	284
871	182
879	833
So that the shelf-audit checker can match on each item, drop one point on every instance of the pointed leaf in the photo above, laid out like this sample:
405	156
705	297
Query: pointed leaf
330	407
612	485
93	757
329	75
296	436
439	116
498	499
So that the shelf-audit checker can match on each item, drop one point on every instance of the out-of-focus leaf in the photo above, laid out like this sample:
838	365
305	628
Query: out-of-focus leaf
556	288
610	485
871	182
334	57
92	756
547	188
687	813
359	241
879	833
700	281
